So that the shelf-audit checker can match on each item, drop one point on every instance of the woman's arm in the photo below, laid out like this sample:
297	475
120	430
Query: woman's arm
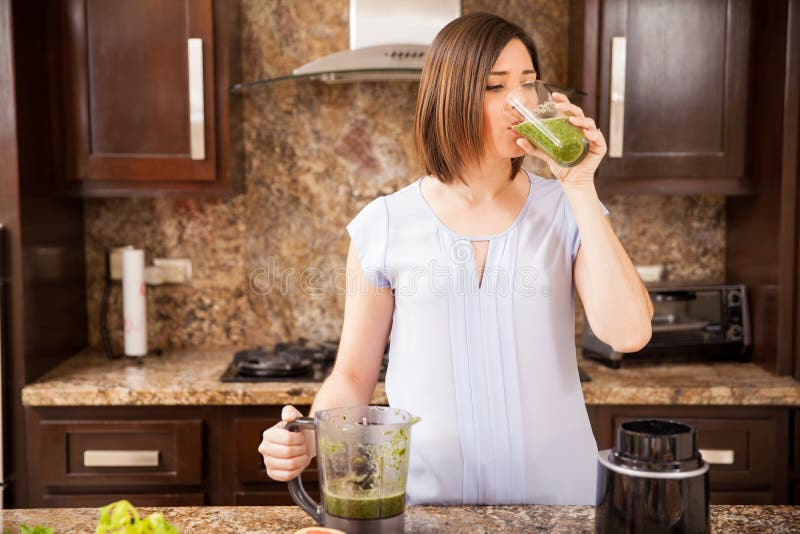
367	322
617	304
616	301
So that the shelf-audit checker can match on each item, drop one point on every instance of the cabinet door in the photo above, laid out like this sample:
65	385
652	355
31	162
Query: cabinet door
244	477
670	90
250	469
137	94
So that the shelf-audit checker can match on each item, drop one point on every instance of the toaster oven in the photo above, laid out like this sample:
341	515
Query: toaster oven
690	323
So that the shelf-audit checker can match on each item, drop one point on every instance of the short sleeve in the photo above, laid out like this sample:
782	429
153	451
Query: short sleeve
573	235
369	232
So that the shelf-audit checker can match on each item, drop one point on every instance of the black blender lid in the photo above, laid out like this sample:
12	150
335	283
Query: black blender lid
657	445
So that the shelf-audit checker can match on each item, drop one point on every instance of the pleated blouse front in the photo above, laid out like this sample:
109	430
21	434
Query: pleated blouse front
488	365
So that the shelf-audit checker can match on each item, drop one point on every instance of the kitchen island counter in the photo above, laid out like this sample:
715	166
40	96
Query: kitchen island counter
496	519
190	377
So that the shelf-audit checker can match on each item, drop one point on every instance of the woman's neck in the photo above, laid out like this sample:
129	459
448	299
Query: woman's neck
486	181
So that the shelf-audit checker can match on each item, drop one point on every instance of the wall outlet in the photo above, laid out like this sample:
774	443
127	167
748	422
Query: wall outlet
174	271
651	273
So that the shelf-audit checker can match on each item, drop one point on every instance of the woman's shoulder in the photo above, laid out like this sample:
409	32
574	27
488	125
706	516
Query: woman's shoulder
405	193
402	202
544	186
392	205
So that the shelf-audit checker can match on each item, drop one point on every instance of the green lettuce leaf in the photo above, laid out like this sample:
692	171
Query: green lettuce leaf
121	517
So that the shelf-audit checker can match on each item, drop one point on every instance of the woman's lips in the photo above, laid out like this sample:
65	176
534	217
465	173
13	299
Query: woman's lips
514	124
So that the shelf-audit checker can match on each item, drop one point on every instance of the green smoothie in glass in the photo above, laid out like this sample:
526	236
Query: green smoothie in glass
544	127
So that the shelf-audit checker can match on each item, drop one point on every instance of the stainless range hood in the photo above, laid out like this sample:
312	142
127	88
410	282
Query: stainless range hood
388	42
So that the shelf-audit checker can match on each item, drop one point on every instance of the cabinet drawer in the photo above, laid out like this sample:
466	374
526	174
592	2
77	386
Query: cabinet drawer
741	451
85	453
249	462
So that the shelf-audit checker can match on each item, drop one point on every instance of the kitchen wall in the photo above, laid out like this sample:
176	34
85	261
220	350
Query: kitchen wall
267	262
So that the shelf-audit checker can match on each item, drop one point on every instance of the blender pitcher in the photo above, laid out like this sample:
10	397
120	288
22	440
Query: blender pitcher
362	457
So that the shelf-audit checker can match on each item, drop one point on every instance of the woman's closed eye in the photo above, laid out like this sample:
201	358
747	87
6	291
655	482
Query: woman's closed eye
494	87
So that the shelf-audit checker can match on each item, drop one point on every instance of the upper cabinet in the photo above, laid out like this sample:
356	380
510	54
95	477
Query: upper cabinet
140	100
668	85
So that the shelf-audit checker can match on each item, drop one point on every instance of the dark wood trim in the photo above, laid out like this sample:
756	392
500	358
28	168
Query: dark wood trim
757	226
14	372
789	273
584	32
46	316
674	186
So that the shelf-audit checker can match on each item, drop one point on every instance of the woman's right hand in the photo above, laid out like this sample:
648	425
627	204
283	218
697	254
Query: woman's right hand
285	453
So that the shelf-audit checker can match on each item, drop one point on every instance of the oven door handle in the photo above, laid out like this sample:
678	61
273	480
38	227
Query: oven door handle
690	326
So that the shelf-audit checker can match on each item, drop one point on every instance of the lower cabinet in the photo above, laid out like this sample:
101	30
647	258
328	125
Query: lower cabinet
208	455
153	456
87	456
748	449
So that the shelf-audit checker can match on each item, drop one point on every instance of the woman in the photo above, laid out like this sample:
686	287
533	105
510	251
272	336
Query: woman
472	270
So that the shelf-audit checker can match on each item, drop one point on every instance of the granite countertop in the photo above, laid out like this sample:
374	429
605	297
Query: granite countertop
191	377
287	519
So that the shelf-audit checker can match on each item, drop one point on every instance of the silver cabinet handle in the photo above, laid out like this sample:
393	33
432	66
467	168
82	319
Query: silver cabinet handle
111	458
717	456
616	118
197	138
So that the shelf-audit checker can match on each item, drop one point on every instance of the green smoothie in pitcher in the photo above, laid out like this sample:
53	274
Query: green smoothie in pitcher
340	500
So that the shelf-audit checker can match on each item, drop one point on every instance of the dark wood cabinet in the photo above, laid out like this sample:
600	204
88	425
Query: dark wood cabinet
153	456
140	97
89	456
748	448
209	455
668	83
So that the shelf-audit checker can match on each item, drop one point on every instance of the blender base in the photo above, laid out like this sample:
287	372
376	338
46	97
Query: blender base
387	525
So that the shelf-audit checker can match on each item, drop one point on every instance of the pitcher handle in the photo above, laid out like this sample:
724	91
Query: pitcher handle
298	493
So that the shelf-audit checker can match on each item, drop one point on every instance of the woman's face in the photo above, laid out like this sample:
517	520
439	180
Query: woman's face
513	68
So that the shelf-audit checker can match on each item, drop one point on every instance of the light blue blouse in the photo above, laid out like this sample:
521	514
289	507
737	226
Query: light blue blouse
490	368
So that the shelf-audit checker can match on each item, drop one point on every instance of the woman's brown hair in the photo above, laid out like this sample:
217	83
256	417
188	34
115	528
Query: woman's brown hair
448	124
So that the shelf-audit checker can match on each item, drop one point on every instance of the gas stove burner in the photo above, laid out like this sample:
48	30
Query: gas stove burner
326	350
298	360
257	363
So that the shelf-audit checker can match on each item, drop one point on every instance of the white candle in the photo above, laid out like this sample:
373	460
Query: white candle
134	304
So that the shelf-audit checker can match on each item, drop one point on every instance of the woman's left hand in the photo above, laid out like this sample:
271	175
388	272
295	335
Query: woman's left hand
582	173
